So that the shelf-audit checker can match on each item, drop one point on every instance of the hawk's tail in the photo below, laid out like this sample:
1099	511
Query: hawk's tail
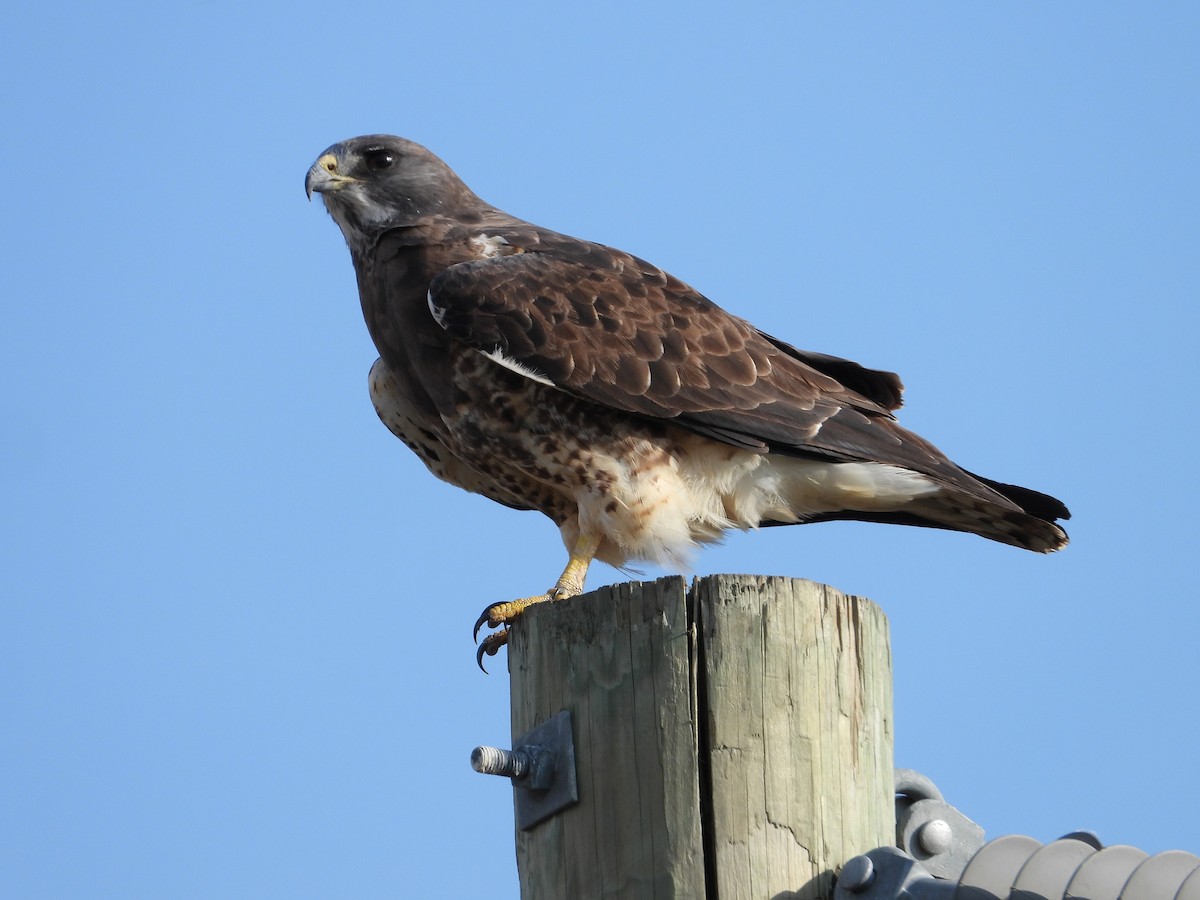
1027	521
1018	516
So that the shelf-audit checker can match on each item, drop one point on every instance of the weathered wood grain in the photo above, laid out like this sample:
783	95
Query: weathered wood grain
731	741
796	679
620	660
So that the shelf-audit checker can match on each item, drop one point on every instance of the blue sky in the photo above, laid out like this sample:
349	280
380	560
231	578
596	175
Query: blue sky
234	631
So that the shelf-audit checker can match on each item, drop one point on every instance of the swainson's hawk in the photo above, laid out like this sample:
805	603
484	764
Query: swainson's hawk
551	373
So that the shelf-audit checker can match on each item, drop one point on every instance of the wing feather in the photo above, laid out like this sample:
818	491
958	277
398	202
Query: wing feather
615	330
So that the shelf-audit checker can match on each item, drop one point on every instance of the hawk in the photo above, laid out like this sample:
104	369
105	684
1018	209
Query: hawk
551	373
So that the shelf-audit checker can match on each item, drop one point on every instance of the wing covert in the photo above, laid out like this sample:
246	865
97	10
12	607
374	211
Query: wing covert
615	330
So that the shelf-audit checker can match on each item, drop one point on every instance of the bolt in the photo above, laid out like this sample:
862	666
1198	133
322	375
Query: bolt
494	761
936	836
857	875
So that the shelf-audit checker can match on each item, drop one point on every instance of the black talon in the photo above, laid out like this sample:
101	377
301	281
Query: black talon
483	617
490	647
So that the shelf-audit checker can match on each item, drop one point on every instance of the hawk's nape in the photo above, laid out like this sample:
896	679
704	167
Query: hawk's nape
552	373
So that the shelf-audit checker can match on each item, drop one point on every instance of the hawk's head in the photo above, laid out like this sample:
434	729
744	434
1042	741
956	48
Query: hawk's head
379	181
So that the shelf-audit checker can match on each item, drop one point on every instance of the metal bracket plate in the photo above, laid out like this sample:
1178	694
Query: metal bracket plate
551	785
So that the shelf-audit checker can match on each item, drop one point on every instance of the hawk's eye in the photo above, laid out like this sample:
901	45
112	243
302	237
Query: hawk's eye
378	159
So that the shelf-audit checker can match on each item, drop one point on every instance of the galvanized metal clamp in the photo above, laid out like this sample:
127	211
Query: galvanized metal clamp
941	855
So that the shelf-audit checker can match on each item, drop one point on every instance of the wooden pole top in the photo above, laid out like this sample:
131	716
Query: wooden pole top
733	738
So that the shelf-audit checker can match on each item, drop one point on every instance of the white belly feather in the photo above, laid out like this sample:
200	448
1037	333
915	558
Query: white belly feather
669	504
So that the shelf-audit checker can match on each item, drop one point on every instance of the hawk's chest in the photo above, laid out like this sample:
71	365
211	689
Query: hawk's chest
393	287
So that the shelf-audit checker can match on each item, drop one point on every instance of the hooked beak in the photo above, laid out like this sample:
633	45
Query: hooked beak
323	177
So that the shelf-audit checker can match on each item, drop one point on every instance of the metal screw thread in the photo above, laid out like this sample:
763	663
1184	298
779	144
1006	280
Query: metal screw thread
494	761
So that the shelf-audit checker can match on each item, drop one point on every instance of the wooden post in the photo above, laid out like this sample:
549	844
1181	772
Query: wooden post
732	740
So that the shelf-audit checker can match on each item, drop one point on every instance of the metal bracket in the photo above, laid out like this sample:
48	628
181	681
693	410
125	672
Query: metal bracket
941	856
939	837
888	873
930	830
541	765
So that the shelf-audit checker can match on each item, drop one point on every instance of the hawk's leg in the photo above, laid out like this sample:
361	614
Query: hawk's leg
569	584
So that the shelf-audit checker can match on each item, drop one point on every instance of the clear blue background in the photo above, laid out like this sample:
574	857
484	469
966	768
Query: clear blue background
235	655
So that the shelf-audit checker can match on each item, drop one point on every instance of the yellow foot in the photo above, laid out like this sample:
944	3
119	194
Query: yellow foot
501	614
569	584
491	646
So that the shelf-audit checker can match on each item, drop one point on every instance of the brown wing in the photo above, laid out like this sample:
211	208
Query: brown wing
615	330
